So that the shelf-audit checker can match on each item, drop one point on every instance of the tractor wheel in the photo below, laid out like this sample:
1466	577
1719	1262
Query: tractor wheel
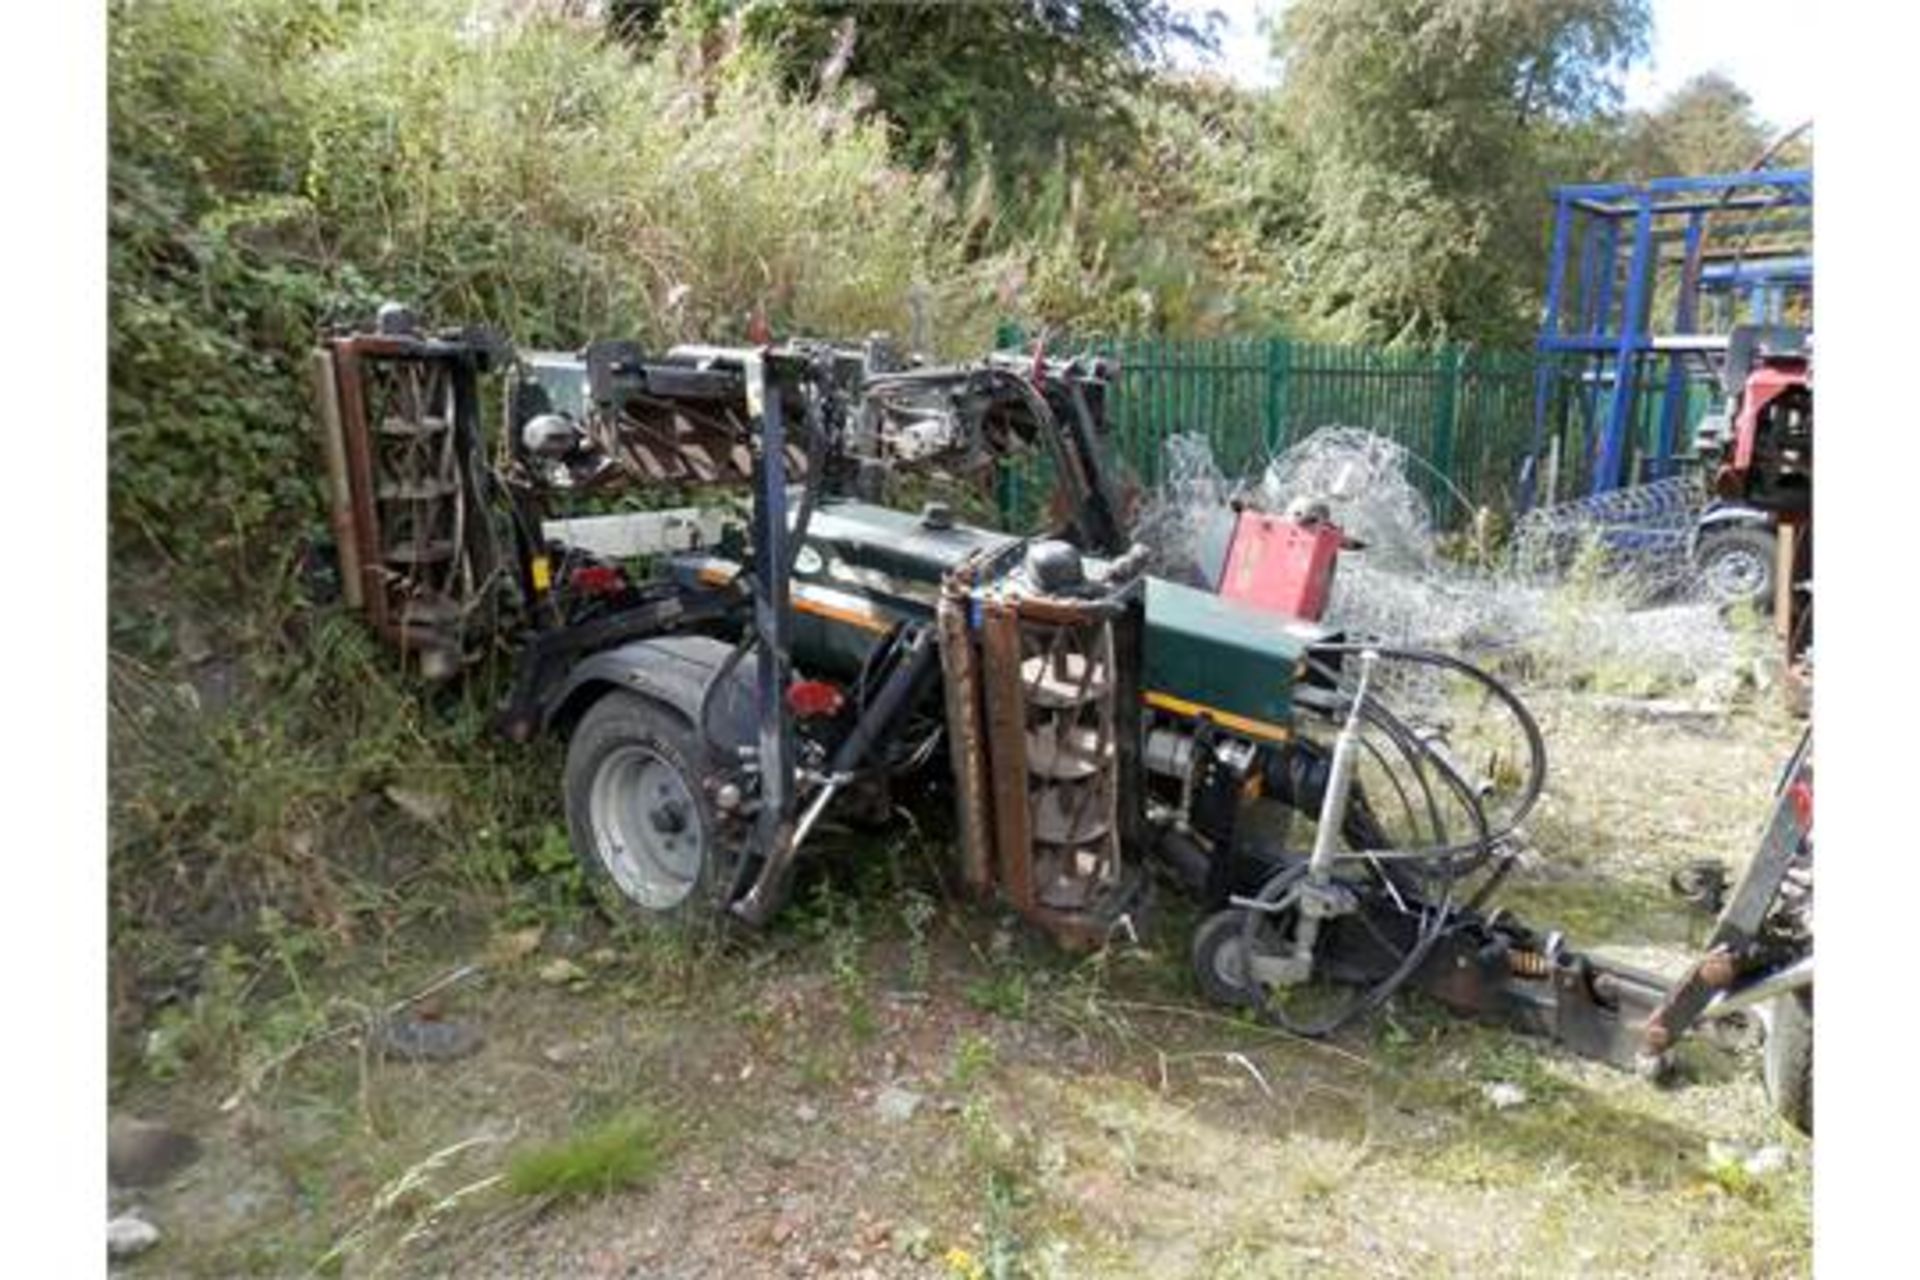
1736	564
1788	1060
639	814
1217	964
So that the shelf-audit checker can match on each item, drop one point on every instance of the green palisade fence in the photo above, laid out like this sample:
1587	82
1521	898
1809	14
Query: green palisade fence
1466	414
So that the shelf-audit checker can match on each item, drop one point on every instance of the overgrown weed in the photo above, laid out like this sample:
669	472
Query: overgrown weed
624	1150
834	919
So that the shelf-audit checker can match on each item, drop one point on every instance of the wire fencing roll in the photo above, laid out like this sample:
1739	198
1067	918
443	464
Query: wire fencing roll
1599	593
1466	414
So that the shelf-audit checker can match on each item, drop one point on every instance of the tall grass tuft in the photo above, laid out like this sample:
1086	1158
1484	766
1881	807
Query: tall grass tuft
626	1150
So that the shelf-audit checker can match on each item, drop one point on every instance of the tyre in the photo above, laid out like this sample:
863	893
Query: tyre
1788	1059
639	814
1736	564
1217	963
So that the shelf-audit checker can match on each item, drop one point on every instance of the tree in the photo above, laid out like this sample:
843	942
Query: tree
1013	78
1431	129
1708	125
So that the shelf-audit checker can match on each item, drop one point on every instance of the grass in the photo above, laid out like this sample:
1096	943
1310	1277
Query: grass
974	1057
1113	1162
1590	909
625	1150
1085	1117
1004	992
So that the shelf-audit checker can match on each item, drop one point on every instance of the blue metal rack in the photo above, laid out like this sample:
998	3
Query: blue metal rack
1621	251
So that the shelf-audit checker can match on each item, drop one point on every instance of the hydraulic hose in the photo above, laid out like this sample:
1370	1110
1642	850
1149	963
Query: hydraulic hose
1536	774
1271	895
1447	859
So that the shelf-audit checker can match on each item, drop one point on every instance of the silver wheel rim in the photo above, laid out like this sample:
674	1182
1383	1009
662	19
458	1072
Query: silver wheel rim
646	827
1738	574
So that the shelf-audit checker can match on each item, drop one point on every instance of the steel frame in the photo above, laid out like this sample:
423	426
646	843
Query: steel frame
1608	265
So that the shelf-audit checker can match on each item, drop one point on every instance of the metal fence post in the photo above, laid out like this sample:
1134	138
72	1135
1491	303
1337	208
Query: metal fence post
1279	359
1451	364
1471	404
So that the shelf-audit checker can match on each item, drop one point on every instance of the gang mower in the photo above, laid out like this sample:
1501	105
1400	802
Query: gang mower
727	673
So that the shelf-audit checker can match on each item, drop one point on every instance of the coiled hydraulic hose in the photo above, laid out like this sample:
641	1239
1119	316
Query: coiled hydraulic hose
1536	775
1446	860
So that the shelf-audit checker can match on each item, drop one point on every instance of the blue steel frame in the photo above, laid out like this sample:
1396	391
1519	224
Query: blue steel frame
1766	284
1595	343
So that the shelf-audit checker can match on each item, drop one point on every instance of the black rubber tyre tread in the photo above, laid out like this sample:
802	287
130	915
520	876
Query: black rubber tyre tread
1221	929
616	719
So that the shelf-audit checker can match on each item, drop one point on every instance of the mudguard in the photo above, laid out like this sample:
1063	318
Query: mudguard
673	671
1727	515
1721	514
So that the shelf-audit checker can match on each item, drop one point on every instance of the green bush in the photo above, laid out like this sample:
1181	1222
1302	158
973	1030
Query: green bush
282	165
278	165
533	175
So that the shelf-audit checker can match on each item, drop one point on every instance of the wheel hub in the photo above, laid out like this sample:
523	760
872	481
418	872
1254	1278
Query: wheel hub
646	827
1737	575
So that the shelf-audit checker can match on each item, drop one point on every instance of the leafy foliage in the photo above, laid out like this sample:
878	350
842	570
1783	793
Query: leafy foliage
204	441
1429	129
1175	237
278	165
282	164
1011	82
545	179
1707	125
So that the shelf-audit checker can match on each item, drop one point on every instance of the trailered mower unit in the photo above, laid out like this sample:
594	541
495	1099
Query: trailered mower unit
724	678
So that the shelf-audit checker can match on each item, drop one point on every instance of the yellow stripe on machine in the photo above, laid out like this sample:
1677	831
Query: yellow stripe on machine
846	609
831	605
866	621
1225	719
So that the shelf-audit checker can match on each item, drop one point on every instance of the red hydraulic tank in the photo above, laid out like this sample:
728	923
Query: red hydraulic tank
1281	564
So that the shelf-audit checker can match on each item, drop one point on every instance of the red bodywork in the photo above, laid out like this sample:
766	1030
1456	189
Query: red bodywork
1283	565
813	699
1771	459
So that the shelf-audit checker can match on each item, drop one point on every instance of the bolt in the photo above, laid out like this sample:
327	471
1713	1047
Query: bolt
669	819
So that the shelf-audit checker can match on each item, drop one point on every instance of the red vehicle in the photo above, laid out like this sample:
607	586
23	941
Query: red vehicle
1768	462
1756	539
